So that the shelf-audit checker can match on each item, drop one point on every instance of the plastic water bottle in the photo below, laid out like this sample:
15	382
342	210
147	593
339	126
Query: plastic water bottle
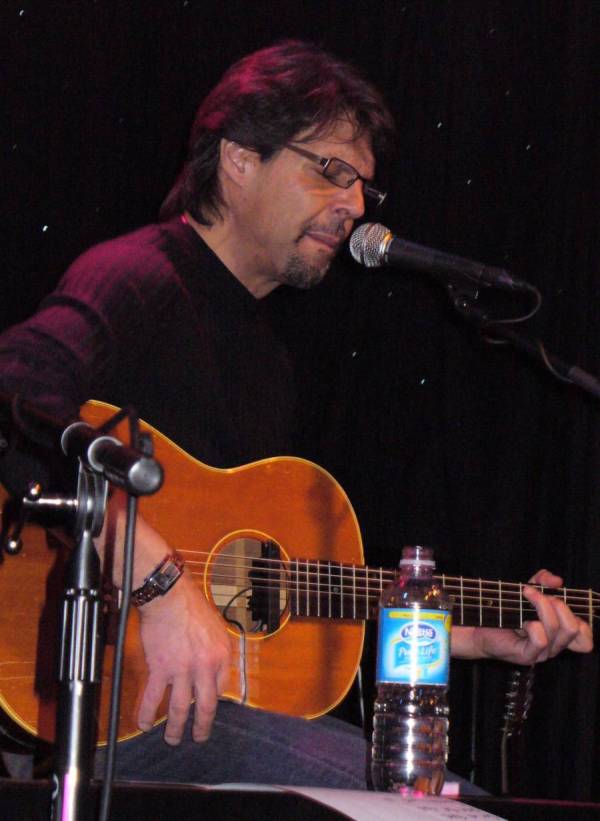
410	722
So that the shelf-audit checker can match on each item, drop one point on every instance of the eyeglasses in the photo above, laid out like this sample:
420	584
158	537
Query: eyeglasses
340	173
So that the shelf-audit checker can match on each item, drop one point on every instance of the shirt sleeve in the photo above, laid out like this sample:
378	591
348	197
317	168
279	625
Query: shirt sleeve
70	349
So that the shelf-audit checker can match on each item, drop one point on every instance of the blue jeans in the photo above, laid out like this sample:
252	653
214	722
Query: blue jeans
253	746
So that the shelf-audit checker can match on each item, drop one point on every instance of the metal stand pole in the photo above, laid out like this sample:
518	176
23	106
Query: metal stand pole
80	656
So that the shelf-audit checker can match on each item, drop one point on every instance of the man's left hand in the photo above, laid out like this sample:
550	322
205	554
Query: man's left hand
557	628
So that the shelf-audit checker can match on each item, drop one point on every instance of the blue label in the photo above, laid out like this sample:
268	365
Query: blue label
413	646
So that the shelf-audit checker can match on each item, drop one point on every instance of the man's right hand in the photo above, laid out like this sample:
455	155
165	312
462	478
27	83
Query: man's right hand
187	647
185	640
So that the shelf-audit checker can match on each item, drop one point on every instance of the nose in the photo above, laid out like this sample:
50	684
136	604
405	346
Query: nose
350	202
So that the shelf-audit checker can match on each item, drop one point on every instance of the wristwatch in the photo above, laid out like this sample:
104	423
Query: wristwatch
160	581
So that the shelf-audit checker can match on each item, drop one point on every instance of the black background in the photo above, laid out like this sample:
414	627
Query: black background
496	104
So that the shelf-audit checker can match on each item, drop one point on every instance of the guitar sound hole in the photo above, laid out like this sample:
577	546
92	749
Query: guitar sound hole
249	584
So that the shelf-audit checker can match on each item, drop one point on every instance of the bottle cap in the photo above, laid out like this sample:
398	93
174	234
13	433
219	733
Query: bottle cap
417	562
417	555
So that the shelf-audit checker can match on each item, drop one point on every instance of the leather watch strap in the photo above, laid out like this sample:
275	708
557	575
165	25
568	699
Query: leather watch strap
160	581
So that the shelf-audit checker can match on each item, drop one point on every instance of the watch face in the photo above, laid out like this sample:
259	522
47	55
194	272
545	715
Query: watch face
167	576
164	580
160	581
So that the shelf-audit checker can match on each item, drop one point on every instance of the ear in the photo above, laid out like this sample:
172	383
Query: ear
237	162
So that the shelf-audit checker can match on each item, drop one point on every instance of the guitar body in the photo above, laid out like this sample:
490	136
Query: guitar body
300	666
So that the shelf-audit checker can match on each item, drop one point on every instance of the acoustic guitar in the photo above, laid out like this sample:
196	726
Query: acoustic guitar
275	546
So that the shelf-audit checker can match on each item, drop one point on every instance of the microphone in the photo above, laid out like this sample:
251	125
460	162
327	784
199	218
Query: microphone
127	468
133	470
374	245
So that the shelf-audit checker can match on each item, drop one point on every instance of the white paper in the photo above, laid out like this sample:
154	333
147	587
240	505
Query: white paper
362	805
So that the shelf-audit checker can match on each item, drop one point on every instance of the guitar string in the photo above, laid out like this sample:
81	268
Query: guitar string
507	614
468	602
482	587
502	612
321	564
480	591
473	601
585	599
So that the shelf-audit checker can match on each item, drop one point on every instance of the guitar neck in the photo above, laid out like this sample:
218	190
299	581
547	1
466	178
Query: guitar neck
323	589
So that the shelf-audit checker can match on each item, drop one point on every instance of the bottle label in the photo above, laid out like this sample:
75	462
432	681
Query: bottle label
413	646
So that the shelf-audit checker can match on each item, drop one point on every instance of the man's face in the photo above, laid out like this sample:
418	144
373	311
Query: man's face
294	220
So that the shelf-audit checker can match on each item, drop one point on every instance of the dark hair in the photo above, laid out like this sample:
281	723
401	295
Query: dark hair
261	103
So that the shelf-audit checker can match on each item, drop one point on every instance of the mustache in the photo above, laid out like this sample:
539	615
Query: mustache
334	229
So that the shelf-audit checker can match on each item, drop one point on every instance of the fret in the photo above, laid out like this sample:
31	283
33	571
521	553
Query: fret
374	600
353	591
462	601
499	603
302	587
363	590
590	608
480	604
342	591
366	598
520	605
318	589
329	588
364	586
362	612
336	591
369	596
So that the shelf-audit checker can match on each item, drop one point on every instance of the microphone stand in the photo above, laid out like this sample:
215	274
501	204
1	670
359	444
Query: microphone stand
101	459
464	303
80	659
463	298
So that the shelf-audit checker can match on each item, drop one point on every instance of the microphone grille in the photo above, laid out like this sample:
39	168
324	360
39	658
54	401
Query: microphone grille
368	244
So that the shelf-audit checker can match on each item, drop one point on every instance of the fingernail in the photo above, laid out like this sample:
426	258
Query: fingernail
172	740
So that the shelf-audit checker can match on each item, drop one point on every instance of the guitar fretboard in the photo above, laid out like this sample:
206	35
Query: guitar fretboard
324	589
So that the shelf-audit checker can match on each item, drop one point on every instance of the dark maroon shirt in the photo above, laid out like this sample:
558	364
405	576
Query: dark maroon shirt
155	320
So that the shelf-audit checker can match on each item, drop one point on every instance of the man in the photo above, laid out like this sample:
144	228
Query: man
169	319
